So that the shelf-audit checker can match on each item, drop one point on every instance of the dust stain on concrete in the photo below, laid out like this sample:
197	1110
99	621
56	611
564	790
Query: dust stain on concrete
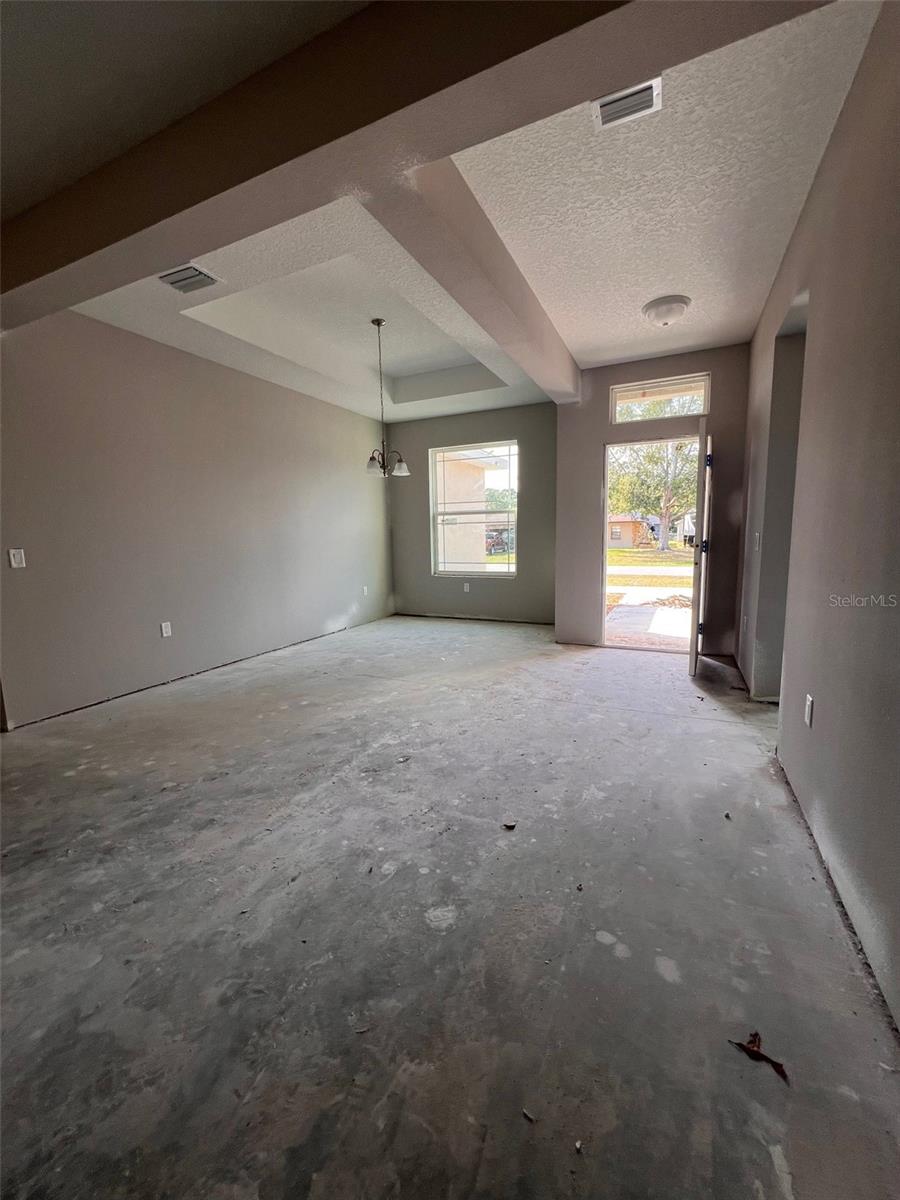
441	918
668	968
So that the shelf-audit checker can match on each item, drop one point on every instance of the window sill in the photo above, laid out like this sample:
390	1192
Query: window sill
473	575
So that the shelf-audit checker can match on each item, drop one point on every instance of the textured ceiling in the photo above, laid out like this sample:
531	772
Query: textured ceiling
321	317
293	306
700	198
88	79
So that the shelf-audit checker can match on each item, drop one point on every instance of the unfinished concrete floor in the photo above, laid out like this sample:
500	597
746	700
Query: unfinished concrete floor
266	937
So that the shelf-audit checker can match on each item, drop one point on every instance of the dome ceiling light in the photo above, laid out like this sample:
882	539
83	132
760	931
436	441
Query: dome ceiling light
666	310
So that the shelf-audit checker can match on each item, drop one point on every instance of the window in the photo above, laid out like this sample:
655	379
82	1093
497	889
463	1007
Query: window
474	496
615	532
659	398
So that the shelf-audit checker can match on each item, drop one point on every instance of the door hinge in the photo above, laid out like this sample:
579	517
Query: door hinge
700	627
704	546
709	460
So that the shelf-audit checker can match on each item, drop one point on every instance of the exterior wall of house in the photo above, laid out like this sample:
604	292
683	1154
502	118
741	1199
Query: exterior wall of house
630	534
462	544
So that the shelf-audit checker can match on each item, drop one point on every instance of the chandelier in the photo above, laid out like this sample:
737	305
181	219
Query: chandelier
382	461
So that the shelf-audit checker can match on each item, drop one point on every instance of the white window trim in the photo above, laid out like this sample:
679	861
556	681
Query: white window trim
664	380
433	513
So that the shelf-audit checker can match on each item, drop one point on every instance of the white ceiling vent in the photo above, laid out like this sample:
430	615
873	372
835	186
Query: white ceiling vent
625	106
187	279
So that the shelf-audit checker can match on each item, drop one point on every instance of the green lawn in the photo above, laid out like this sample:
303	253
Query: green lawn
622	557
666	581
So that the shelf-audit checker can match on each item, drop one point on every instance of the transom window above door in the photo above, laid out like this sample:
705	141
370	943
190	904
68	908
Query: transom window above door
659	399
474	505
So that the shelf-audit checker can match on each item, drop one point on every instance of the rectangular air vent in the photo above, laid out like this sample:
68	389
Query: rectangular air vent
625	106
187	279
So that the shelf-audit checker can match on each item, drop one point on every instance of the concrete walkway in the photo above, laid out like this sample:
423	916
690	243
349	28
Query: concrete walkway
266	936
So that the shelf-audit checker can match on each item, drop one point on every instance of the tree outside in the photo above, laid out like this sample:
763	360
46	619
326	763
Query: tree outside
654	479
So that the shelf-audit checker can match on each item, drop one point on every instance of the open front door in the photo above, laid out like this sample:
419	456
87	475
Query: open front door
701	547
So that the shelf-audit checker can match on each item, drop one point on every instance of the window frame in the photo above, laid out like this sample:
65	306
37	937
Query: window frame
664	380
433	513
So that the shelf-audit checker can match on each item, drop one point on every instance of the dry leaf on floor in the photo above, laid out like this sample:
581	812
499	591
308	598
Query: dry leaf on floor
753	1049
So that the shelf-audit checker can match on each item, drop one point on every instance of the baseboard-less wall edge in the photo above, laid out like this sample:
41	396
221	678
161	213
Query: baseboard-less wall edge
471	617
871	978
8	727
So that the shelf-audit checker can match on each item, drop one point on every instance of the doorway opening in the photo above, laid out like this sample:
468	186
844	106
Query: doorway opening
652	545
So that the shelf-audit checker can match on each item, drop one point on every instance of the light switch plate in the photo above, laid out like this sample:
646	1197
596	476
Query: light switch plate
17	558
808	711
165	629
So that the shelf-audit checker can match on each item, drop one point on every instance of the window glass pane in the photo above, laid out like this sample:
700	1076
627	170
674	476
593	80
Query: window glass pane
474	497
660	398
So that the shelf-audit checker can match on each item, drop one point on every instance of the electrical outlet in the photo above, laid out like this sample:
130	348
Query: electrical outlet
365	589
17	558
744	623
756	540
465	587
808	711
165	629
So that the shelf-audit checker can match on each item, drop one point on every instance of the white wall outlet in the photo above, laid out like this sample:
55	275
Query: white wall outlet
808	711
465	587
365	589
165	629
17	558
744	623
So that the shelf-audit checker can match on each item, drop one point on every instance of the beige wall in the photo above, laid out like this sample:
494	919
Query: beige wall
583	434
148	485
528	596
629	534
845	537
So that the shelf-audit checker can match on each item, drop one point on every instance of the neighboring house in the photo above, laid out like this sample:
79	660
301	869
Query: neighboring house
684	529
625	529
466	535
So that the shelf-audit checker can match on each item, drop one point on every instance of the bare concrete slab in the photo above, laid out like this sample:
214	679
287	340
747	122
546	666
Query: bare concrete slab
266	936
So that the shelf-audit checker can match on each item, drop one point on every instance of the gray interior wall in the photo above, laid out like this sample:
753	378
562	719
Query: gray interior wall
584	432
529	595
148	485
845	538
764	591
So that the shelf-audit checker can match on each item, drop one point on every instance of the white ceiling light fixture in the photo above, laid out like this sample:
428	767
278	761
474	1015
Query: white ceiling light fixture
380	460
666	310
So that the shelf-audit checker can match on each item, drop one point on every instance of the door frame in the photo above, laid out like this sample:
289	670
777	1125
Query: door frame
700	435
701	548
